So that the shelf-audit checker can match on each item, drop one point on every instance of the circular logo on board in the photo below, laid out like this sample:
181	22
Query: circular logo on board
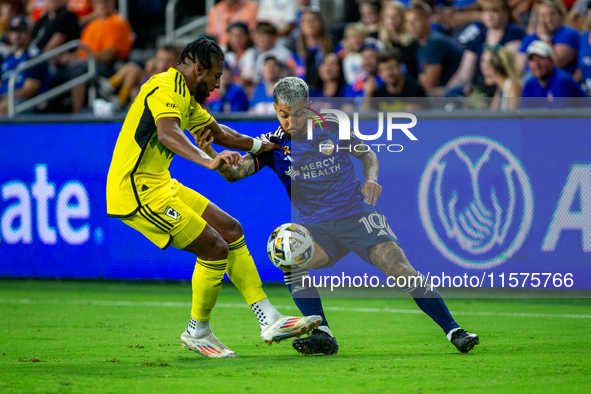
475	202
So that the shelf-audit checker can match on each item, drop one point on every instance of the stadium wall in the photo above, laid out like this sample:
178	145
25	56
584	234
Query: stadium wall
504	195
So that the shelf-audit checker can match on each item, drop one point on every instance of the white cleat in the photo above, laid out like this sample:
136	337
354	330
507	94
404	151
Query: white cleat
288	327
208	346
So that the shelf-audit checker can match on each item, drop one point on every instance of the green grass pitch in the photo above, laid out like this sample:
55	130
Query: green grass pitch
120	337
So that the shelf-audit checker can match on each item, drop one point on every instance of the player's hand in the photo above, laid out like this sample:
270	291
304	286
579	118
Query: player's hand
267	146
203	139
371	190
224	160
263	138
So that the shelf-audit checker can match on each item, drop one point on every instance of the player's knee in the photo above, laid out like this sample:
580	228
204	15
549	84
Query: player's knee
235	230
218	249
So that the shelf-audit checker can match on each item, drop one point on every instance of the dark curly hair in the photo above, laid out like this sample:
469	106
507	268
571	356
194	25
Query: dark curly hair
202	50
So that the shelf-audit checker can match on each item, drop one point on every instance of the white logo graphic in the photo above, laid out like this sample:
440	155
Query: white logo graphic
481	219
292	172
57	211
171	213
297	288
345	125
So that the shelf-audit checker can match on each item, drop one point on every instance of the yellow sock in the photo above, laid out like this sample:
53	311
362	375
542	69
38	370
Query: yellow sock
115	81
243	272
207	282
123	95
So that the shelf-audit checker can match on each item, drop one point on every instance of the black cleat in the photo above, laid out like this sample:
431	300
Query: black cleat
318	342
464	341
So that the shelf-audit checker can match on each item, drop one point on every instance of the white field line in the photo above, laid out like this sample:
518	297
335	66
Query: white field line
289	307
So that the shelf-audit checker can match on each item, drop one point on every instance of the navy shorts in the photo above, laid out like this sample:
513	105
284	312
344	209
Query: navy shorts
354	233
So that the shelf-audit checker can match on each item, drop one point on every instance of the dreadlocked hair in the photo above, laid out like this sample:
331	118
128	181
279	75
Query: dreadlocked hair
201	50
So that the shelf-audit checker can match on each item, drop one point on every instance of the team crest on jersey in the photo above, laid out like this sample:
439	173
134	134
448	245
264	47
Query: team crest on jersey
327	147
292	173
171	213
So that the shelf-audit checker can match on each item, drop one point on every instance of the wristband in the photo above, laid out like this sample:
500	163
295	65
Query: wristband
256	146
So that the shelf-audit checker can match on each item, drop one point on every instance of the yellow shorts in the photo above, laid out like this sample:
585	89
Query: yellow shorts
176	221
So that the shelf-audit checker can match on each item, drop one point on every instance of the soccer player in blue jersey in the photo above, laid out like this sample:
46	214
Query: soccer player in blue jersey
333	205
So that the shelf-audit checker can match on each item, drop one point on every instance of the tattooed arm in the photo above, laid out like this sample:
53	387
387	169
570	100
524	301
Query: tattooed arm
240	170
232	174
371	190
371	166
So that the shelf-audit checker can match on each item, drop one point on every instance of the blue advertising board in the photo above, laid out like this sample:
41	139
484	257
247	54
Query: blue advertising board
479	196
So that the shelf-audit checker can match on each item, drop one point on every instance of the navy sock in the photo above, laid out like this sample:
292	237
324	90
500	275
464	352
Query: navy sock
431	303
306	297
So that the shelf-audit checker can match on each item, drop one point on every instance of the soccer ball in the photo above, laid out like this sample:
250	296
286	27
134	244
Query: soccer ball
290	247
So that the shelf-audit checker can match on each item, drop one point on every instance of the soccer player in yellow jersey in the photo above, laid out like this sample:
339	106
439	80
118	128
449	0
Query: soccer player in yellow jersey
141	192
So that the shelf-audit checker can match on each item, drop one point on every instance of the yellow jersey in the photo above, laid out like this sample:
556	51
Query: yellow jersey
139	174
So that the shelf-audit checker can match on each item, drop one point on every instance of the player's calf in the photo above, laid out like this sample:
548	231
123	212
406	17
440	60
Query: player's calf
206	284
320	258
391	260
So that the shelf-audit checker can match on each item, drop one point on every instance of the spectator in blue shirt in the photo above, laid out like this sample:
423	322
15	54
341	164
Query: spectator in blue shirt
230	97
314	42
498	29
29	82
550	82
549	28
262	96
239	42
438	56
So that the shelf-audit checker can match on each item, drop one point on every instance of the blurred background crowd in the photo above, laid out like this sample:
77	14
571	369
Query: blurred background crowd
401	51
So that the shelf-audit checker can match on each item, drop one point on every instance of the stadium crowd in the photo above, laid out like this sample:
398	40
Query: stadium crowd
401	51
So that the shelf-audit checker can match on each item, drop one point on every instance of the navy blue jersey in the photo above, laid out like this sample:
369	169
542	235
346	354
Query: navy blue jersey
318	174
10	63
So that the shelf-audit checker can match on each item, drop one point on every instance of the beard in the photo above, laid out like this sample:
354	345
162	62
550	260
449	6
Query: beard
201	93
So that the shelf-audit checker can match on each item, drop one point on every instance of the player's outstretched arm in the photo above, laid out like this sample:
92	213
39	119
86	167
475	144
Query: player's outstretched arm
232	174
231	139
171	136
371	167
